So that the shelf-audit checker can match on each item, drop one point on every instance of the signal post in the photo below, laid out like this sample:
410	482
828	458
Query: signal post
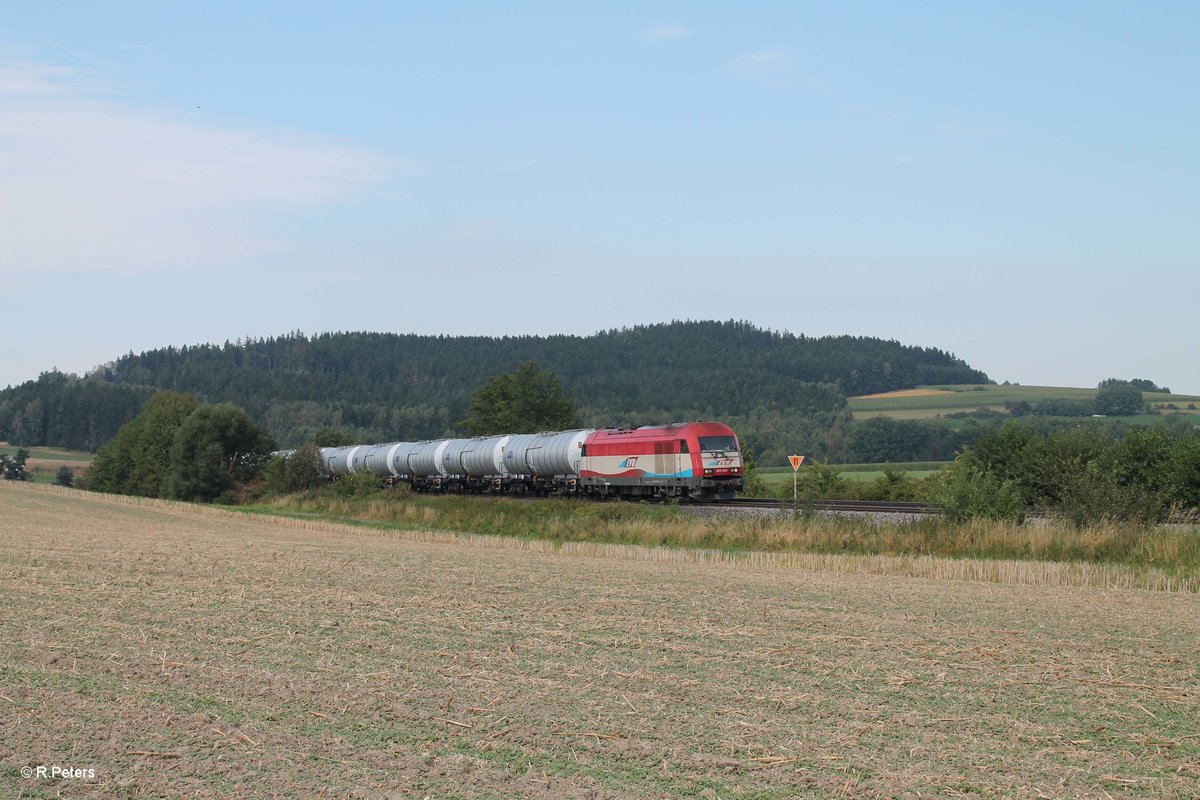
796	461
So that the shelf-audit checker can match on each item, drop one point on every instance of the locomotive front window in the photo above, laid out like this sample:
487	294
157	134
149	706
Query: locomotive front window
712	444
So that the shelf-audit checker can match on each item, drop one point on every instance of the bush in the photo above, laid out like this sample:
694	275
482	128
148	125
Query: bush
1087	473
1185	474
1095	495
755	485
357	484
1064	408
815	481
969	491
896	486
65	477
299	471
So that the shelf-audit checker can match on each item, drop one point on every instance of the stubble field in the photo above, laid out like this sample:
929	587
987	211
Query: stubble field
178	651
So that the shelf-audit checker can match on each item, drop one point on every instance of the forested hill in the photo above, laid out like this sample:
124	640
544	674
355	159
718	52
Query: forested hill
381	386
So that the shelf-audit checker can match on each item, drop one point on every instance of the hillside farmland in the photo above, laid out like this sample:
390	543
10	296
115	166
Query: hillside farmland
931	402
178	650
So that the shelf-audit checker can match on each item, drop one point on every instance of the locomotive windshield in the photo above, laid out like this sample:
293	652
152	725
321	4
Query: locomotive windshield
712	444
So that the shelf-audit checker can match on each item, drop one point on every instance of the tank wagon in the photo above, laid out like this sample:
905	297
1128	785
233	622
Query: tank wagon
692	460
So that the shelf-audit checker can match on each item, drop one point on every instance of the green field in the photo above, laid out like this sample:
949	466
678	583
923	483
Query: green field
780	478
967	398
44	462
857	472
48	453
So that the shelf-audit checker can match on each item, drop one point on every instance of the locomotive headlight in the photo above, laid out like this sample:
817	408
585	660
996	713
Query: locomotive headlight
708	472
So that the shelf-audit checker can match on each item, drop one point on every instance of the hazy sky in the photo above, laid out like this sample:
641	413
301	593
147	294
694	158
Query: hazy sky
1017	183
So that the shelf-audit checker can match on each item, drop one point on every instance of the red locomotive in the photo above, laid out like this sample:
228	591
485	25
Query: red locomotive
693	460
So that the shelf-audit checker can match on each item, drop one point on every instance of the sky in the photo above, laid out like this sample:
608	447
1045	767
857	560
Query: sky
1017	183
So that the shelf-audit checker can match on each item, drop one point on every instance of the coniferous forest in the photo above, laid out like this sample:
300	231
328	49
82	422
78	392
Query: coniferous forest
780	391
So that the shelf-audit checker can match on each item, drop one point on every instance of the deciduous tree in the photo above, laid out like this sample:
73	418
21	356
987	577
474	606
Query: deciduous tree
525	400
1120	400
13	466
137	460
330	436
215	448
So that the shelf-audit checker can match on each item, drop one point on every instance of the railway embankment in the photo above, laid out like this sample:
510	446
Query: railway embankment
1163	556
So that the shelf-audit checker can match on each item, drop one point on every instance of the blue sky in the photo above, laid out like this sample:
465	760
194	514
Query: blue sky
1017	183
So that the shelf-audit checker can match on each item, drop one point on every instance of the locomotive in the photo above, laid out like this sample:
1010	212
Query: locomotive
698	461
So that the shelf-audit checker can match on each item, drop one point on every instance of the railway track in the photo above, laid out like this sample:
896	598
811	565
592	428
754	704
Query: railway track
848	506
862	506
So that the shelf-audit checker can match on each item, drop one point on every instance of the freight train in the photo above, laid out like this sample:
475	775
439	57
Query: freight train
698	461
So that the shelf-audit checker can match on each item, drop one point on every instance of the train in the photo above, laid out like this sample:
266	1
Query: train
695	461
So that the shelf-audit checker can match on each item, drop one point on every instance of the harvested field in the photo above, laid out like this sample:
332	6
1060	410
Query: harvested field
904	393
179	651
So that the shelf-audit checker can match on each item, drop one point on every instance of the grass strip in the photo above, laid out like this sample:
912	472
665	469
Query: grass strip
1165	557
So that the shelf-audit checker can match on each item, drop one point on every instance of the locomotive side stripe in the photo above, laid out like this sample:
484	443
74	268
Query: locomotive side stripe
636	473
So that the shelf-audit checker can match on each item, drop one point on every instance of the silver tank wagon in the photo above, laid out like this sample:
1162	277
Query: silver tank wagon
485	457
426	460
339	460
557	453
399	458
452	457
545	454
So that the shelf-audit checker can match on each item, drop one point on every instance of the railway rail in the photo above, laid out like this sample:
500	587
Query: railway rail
863	506
858	506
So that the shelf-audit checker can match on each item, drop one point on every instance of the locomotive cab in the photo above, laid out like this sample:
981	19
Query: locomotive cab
720	464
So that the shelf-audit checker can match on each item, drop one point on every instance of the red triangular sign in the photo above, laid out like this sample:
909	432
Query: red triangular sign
796	461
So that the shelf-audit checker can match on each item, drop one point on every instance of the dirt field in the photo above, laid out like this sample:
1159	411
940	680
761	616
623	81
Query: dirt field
905	393
179	652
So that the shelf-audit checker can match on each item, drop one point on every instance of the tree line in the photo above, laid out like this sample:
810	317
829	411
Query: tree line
780	391
180	447
1115	398
60	410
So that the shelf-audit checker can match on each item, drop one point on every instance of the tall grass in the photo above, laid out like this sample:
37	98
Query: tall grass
1175	551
